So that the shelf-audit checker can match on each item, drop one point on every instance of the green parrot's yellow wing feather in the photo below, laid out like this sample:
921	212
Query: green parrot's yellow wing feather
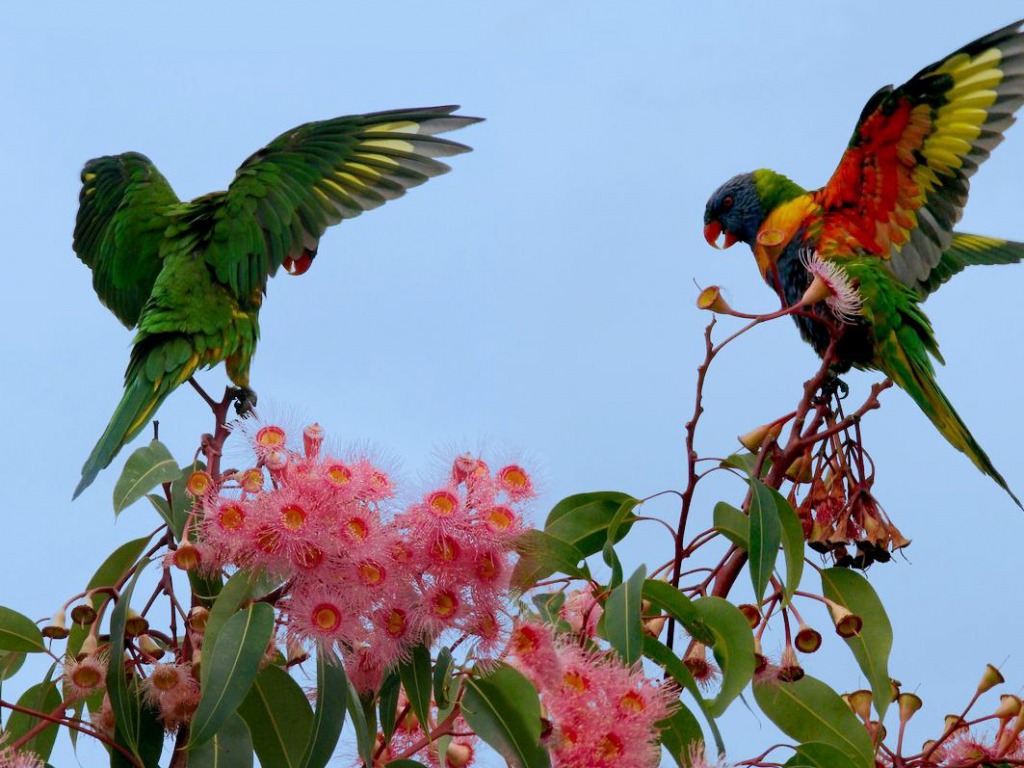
285	195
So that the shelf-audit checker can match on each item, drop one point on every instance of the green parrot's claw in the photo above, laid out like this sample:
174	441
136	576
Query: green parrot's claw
245	401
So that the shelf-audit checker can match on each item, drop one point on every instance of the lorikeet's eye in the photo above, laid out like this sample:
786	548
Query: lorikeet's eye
726	203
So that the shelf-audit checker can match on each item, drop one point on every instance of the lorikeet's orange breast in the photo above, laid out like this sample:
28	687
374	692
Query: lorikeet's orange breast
781	226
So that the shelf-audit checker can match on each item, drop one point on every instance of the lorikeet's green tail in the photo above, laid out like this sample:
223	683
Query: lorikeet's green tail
147	385
906	363
969	250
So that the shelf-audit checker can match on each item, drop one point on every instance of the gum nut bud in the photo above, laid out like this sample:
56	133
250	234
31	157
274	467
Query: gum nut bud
848	624
57	629
953	723
751	613
89	646
877	730
1018	724
277	460
990	678
199	483
150	647
760	660
197	618
808	639
312	439
817	291
1009	706
711	299
860	703
909	703
83	614
771	240
458	755
654	625
800	470
135	624
187	556
755	438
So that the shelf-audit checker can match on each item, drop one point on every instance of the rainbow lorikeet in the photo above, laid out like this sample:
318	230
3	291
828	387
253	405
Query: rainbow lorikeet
190	277
861	253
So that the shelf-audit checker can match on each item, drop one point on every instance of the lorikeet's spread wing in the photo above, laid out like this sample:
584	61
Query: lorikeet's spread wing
902	183
121	222
285	195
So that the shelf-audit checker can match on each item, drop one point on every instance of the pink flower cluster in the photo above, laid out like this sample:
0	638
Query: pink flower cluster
10	758
363	585
602	713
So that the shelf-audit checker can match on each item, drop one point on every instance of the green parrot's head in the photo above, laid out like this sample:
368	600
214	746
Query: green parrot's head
738	208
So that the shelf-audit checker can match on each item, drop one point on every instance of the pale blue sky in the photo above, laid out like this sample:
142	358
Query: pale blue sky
540	296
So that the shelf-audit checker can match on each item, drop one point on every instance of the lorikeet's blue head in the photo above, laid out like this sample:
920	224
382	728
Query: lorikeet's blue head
734	209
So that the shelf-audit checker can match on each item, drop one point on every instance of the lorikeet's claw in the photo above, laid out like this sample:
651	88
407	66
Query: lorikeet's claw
245	401
833	386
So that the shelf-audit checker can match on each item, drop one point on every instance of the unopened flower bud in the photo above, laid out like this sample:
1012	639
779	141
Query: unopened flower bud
800	470
711	299
89	646
57	629
954	723
990	678
1009	706
808	639
654	625
149	647
312	439
458	755
860	703
135	624
909	703
751	613
877	731
187	556
83	614
848	624
755	438
197	619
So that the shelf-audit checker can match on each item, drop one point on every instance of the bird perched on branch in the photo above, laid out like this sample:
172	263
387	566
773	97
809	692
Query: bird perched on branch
190	277
861	253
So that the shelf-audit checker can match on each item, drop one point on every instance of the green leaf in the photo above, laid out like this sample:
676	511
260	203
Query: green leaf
416	679
623	514
540	555
664	596
240	588
502	708
662	655
583	520
679	732
872	646
145	469
366	736
387	703
41	697
733	648
275	710
329	717
817	755
230	747
810	711
792	544
117	565
549	606
231	668
746	462
621	619
124	701
733	524
150	734
765	537
10	663
181	500
19	633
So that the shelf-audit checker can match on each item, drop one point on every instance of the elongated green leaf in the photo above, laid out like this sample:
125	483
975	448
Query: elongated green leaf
817	755
387	703
623	514
181	499
124	702
662	655
110	573
230	747
231	668
329	716
745	462
416	679
765	537
621	619
549	606
10	663
41	697
810	711
365	734
792	544
664	596
872	646
679	733
583	520
733	648
145	469
275	710
150	734
540	555
19	633
502	708
242	586
733	524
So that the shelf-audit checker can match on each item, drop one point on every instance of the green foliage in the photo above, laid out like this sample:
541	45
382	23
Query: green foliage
621	619
733	648
229	747
415	675
41	697
765	537
275	709
145	469
501	706
329	715
19	633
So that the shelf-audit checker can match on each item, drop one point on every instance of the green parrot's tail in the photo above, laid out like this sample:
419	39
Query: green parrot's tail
142	396
914	374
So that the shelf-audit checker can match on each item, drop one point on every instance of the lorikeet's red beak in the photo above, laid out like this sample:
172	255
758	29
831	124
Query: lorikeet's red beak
713	230
300	265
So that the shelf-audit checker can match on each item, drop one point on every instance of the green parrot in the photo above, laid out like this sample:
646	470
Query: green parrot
190	277
861	253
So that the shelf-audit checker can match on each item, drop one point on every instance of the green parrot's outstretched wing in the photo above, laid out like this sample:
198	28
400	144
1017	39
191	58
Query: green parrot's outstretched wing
286	194
122	216
903	181
970	250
